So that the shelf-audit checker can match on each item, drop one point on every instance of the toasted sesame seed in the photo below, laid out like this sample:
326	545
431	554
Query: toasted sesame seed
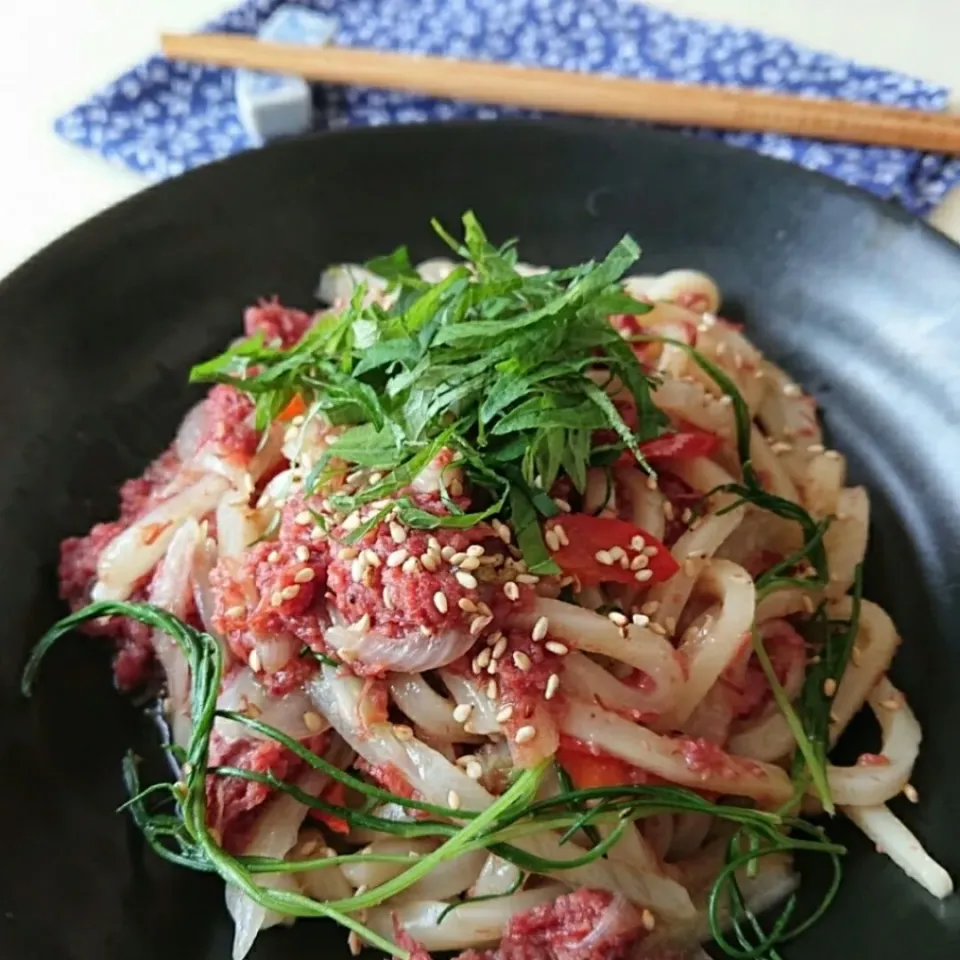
467	580
791	390
648	920
521	661
473	770
527	578
641	576
387	598
288	593
561	533
511	590
494	665
483	609
461	712
499	648
410	565
721	349
458	558
892	703
251	709
237	611
691	567
650	607
430	561
318	533
273	557
554	646
551	539
617	553
659	629
254	661
652	482
303	518
470	563
641	619
562	504
361	625
440	601
305	575
829	687
397	533
467	605
668	510
371	558
831	454
479	624
617	617
483	658
313	721
687	515
354	944
397	557
637	542
650	551
781	446
402	732
502	531
910	792
553	685
639	562
604	557
276	598
504	713
525	734
492	690
540	628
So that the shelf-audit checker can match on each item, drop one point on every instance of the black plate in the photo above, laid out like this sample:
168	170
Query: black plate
855	298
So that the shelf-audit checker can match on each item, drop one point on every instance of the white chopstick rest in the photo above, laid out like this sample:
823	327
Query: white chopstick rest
275	105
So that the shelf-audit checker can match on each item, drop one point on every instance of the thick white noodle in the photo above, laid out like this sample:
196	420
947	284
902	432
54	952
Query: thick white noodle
372	874
822	482
638	646
646	505
321	883
447	880
711	649
873	784
587	680
496	878
466	692
895	840
238	525
664	756
425	707
135	552
846	539
476	924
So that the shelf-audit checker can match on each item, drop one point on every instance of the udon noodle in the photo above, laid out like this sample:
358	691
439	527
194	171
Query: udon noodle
664	615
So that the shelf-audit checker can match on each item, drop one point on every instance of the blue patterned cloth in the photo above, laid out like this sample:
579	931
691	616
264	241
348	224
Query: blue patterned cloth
162	118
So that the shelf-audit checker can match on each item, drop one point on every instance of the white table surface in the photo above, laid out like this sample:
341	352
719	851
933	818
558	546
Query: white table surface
58	51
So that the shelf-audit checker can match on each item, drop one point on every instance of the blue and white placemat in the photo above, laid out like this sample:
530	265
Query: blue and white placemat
162	118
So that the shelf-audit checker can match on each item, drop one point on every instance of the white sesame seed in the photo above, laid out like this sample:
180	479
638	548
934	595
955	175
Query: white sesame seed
317	533
890	704
781	446
554	646
483	658
511	590
617	617
494	665
527	578
640	561
302	553
357	569
553	685
687	515
467	605
637	542
276	599
387	598
254	661
492	690
470	563
648	920
473	770
540	628
305	575
440	601
476	550
910	792
237	611
642	576
504	714
303	518
670	623
483	609
430	561
479	624
499	648
650	607
467	580
691	567
551	539
371	558
396	557
402	732
651	482
641	619
561	533
502	531
659	629
725	401
521	661
604	557
831	454
829	687
458	558
410	565
273	556
361	625
525	734
461	712
562	504
288	593
353	943
313	721
816	448
668	510
397	533
791	390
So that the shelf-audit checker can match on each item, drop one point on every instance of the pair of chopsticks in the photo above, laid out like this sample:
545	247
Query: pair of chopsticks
579	93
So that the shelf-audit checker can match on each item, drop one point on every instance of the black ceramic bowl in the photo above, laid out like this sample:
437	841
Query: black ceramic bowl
856	299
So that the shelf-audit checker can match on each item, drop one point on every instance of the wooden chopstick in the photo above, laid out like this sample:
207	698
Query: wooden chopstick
579	93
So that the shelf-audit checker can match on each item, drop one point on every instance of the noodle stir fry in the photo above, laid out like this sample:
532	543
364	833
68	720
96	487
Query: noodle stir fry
506	611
